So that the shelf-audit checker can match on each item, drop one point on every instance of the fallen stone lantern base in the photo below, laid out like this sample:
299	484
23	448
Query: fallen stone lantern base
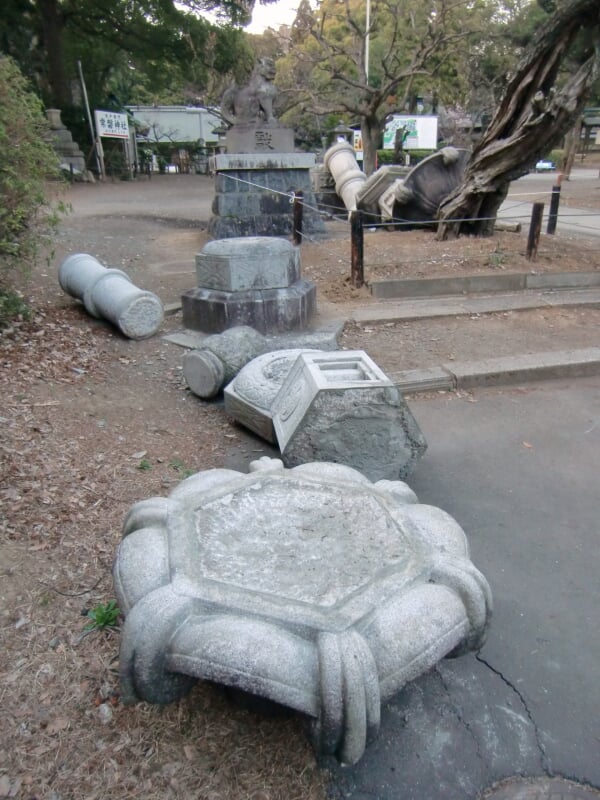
311	587
337	406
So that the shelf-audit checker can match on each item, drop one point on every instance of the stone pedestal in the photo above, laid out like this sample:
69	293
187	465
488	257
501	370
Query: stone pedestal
418	197
253	138
313	588
253	193
252	281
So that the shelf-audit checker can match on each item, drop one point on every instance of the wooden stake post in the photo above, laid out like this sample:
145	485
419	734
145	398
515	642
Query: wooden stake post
554	203
535	228
357	268
297	219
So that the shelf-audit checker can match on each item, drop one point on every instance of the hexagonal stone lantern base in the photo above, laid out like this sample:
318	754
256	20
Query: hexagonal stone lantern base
336	406
311	587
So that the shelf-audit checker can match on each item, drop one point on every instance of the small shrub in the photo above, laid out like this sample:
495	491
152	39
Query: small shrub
12	305
104	615
387	156
27	162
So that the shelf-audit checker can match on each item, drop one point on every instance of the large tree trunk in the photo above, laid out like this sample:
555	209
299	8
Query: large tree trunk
52	21
531	119
370	130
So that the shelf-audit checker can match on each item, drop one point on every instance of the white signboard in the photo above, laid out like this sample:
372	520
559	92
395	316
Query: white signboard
358	145
112	125
418	132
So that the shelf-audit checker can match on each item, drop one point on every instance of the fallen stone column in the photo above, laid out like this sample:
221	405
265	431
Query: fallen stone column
209	367
340	160
109	293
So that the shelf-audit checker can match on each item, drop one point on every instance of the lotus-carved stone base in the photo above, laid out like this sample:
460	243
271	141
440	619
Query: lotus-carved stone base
311	587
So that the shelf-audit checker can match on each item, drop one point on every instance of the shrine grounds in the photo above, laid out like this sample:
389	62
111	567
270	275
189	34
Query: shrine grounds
92	422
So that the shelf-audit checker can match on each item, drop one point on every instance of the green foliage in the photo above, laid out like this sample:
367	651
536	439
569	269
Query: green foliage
497	257
27	162
104	615
131	51
179	467
144	465
12	305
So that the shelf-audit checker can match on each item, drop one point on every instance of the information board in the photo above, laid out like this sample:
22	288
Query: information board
418	132
112	125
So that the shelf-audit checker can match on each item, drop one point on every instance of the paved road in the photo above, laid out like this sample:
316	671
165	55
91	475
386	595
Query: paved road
518	205
519	470
190	197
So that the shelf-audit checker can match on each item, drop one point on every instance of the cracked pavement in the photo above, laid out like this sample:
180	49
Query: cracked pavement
518	469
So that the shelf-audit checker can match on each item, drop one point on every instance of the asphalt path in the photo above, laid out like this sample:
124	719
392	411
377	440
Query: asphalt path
518	469
518	205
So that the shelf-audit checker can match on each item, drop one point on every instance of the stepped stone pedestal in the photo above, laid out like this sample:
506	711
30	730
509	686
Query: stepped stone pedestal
62	141
252	194
252	281
313	588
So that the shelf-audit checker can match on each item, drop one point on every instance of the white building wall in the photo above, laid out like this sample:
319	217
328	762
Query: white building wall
177	123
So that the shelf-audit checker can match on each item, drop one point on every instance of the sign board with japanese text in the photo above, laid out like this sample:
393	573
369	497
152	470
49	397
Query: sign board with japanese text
112	125
419	132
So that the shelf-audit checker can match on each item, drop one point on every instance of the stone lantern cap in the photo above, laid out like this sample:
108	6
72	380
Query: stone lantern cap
312	587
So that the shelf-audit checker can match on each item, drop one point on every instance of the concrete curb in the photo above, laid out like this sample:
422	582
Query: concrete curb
501	371
448	306
387	289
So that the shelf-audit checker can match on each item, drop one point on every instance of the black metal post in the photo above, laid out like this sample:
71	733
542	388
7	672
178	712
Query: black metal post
554	203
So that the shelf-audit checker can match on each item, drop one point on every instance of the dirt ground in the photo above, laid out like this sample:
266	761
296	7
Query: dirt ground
92	423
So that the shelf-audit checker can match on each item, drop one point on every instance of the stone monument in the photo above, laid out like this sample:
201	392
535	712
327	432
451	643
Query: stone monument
70	154
260	173
109	293
313	588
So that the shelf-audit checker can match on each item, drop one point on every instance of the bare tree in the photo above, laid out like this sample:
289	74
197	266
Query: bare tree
408	41
532	117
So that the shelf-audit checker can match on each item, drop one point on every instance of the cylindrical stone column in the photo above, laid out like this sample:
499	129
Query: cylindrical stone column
340	160
219	359
110	294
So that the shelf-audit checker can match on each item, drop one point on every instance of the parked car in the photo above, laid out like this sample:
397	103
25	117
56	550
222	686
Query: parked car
545	165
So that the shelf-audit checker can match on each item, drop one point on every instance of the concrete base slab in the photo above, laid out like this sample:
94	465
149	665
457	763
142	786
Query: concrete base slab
527	367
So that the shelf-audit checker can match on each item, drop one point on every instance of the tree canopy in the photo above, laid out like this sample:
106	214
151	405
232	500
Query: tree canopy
144	46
